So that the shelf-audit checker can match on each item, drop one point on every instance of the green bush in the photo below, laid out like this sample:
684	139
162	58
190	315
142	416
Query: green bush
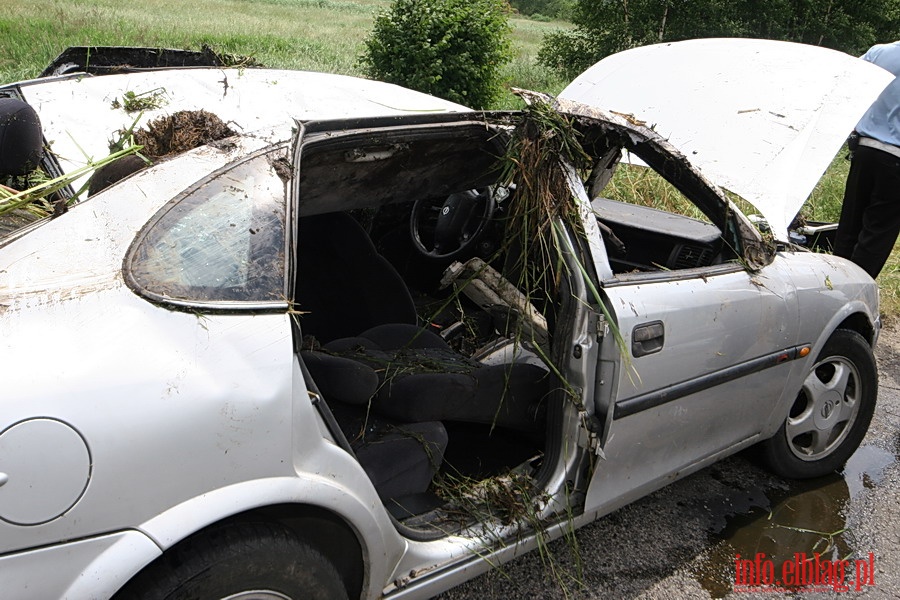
567	53
544	9
453	49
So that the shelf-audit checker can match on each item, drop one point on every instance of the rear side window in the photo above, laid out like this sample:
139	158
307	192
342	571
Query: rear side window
221	242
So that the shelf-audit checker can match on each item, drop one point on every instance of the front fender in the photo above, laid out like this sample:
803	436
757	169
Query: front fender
847	312
831	291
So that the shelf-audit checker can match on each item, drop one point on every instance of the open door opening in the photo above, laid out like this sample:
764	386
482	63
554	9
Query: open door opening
414	327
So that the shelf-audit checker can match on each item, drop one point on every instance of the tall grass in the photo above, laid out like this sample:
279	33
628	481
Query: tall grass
824	204
889	283
640	185
316	35
298	34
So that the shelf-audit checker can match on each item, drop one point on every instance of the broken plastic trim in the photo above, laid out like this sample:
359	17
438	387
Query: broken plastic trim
106	60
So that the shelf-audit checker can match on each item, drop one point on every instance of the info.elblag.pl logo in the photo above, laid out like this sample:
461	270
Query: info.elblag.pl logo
803	573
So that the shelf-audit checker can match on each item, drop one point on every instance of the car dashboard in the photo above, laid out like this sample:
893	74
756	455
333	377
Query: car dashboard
648	239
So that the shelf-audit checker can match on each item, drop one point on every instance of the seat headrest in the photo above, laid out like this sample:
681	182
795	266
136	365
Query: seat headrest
21	138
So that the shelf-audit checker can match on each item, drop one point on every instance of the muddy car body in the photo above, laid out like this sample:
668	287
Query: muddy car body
202	360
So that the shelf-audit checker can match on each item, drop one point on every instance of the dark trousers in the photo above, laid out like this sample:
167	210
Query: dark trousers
870	216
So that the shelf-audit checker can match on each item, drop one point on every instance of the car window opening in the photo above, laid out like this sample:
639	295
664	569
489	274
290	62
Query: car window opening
648	223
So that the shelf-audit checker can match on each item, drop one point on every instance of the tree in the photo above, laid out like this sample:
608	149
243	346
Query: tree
604	27
453	49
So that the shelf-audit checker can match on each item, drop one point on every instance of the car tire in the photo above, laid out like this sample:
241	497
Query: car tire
258	561
831	413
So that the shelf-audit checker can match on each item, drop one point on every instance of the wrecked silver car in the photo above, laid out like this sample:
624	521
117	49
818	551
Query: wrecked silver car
370	343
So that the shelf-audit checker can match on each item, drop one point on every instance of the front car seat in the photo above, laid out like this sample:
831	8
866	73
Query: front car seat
357	306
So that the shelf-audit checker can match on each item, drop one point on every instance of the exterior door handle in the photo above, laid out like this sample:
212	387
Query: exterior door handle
647	338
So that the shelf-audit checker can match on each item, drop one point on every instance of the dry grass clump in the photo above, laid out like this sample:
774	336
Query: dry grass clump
161	138
542	140
180	132
545	142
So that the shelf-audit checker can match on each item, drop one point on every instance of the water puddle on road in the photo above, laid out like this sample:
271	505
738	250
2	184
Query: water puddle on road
793	524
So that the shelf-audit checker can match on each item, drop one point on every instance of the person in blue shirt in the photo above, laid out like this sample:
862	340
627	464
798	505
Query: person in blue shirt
870	216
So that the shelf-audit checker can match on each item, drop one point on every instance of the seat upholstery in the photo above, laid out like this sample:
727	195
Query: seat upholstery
343	284
400	459
390	382
422	379
21	139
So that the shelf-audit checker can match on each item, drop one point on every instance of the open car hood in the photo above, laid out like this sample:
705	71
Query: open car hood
760	118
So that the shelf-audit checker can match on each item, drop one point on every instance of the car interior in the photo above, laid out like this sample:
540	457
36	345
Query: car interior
408	402
21	152
671	232
430	387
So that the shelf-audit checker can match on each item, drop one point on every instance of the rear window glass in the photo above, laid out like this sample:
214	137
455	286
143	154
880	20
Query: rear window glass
224	241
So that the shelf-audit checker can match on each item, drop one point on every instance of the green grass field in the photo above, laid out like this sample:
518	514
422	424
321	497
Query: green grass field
319	35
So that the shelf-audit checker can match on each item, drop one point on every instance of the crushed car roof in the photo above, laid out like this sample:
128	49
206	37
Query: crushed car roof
80	114
760	118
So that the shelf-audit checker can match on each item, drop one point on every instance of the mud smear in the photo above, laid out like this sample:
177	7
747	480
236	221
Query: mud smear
805	518
163	138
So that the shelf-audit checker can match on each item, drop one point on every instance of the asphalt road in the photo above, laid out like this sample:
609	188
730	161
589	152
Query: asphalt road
681	542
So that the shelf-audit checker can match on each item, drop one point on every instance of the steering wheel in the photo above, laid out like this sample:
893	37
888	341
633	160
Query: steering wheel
447	228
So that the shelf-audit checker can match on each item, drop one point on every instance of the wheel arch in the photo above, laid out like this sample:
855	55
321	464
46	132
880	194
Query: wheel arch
328	532
343	527
854	316
321	528
862	324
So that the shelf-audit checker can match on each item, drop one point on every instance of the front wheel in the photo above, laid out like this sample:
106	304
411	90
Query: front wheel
831	413
246	561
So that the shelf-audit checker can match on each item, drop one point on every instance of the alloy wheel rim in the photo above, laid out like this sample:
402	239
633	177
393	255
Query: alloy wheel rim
825	409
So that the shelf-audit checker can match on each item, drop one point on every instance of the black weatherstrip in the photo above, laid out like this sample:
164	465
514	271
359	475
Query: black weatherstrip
704	382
